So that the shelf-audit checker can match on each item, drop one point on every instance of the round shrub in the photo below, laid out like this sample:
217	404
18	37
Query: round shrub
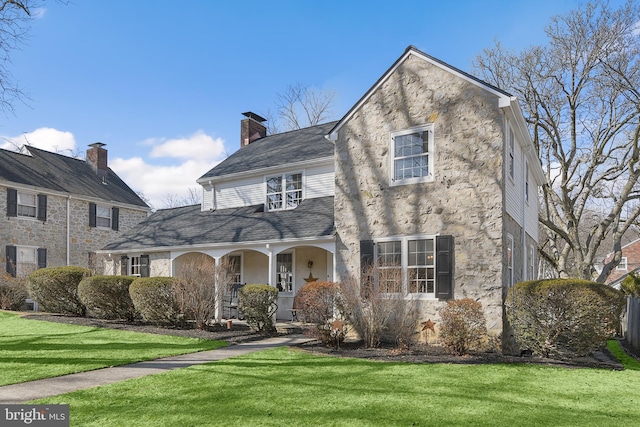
631	285
13	292
107	297
258	303
462	325
563	317
56	289
153	299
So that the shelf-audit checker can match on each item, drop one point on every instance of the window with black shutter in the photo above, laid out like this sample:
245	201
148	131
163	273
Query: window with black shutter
92	214
12	202
42	207
144	266
11	256
42	257
366	253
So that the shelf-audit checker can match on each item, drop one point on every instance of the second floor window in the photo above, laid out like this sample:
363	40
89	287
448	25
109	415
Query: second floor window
412	155
103	216
27	205
284	191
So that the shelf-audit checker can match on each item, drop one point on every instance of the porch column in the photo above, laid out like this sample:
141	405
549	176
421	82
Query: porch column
218	290
272	268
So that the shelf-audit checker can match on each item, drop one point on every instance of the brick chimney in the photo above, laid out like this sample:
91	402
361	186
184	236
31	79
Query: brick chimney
97	158
251	128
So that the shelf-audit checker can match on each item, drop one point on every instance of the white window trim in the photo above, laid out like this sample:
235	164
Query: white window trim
510	262
20	270
293	272
18	204
624	264
131	265
430	155
109	209
282	177
241	265
404	255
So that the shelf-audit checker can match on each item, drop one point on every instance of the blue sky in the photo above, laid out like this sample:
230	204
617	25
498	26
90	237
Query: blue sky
163	83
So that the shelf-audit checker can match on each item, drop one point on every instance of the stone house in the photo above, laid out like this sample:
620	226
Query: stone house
629	263
432	170
60	210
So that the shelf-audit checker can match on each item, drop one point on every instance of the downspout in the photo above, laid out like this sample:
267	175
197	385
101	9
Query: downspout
68	228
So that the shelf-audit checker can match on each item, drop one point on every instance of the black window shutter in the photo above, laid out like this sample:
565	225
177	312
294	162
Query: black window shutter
115	218
124	263
144	266
445	257
92	214
366	254
42	257
12	257
42	207
12	202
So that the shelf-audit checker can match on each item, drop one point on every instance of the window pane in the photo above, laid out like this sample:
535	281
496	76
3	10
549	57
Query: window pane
389	253
420	269
27	205
274	184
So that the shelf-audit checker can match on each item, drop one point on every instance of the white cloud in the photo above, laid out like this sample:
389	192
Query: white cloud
48	139
197	146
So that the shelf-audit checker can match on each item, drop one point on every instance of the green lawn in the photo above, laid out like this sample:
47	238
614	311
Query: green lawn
32	349
286	387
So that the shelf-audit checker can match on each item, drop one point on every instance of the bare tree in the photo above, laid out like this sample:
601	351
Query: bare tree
192	197
300	106
580	94
15	23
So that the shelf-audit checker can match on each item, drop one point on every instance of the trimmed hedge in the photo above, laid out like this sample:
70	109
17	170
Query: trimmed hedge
258	303
56	289
563	317
153	299
107	297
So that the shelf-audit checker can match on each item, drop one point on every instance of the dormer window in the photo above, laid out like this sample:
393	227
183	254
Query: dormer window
412	155
284	191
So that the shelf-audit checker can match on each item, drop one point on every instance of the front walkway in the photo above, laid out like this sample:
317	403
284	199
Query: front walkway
24	392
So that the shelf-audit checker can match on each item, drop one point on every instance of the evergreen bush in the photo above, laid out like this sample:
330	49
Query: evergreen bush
563	317
56	289
153	298
107	297
258	303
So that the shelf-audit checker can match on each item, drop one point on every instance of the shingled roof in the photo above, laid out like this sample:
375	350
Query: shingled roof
56	172
190	226
276	150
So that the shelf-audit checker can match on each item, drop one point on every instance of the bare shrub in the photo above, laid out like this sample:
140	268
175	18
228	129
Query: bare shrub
315	303
462	325
13	292
377	304
200	285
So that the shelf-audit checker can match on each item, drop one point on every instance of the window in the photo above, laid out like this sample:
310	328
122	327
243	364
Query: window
532	263
511	154
26	205
284	272
509	260
412	159
138	265
284	191
623	265
23	260
407	264
235	266
103	216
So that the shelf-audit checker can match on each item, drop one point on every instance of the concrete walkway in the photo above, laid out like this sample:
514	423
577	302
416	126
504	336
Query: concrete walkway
24	392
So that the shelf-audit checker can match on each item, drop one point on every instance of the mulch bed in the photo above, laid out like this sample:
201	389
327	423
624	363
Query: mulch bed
420	353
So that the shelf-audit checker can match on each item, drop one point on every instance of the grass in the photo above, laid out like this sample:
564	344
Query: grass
33	349
286	387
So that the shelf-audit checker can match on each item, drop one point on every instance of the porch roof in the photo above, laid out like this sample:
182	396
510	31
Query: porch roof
188	225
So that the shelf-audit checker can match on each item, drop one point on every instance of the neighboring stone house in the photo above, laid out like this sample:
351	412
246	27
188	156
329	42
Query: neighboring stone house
432	169
60	210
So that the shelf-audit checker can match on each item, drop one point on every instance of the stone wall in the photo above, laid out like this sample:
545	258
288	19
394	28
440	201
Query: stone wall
52	233
465	198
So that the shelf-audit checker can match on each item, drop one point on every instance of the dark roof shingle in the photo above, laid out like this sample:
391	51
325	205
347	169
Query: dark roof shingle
189	226
56	172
